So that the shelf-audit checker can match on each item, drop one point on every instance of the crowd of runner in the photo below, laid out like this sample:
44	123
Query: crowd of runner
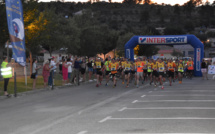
141	70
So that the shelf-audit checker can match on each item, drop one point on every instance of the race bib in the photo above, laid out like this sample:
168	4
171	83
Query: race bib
127	68
113	69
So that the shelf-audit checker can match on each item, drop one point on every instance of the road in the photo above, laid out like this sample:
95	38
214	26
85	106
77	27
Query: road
182	108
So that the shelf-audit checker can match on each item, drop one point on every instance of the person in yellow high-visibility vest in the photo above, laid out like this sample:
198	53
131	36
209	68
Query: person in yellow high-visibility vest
6	72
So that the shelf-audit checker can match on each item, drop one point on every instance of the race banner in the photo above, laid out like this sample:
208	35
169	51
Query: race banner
16	30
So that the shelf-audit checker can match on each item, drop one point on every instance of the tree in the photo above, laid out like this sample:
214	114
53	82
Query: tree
130	1
145	16
173	30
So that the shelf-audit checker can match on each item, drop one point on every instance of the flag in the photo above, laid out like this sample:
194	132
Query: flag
16	30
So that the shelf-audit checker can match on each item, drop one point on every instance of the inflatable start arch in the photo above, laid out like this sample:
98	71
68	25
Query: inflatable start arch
168	40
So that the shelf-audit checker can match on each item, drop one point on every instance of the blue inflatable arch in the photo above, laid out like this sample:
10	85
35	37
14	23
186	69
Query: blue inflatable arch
168	40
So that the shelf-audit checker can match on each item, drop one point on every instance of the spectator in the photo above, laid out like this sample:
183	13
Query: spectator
204	67
52	70
46	73
65	72
60	63
34	72
90	69
83	68
6	72
69	62
76	63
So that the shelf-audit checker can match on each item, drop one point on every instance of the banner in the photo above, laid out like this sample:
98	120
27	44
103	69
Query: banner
163	40
16	29
211	69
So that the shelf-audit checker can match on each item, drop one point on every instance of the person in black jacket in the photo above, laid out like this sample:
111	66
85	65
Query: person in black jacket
204	70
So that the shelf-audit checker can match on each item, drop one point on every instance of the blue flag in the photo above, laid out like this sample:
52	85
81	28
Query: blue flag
16	30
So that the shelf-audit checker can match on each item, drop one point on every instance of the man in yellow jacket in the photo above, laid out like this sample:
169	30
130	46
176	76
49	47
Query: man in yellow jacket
6	72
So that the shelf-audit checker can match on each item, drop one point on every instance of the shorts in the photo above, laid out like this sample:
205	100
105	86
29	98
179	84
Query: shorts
83	70
204	70
145	71
113	75
161	74
171	74
155	73
139	73
190	71
132	72
94	71
149	73
69	75
120	70
99	73
181	73
90	69
107	72
127	72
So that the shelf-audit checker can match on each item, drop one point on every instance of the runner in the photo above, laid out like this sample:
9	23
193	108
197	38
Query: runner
123	67
145	68
180	71
114	67
190	68
139	67
161	69
107	69
171	66
99	66
155	74
127	72
149	70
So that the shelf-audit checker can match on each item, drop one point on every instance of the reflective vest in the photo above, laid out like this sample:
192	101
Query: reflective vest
180	67
149	67
6	72
107	65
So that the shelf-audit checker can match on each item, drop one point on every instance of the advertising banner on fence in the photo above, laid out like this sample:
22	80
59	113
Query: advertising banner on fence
16	30
211	69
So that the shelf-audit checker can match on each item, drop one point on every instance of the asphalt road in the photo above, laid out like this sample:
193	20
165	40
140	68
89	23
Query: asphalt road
182	108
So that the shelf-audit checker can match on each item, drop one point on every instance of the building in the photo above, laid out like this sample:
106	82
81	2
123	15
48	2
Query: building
187	50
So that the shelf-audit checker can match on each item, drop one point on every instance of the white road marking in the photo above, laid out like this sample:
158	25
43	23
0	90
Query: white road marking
135	101
177	101
190	95
189	91
172	118
82	132
172	108
105	119
143	96
153	133
122	109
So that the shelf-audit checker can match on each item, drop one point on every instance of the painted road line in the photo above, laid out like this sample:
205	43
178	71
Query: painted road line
189	91
191	95
149	133
135	101
82	132
173	108
177	101
105	119
143	96
122	109
172	118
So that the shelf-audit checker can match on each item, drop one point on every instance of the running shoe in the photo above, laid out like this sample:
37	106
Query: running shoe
151	83
97	85
162	87
155	85
106	84
127	86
